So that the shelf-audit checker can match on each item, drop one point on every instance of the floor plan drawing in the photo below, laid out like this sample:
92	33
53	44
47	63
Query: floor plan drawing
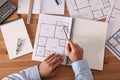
114	43
115	11
113	18
113	37
51	37
90	9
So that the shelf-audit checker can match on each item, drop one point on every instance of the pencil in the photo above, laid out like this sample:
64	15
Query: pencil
30	11
57	2
65	33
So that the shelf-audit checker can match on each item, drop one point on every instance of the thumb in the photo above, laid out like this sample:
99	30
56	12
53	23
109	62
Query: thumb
68	49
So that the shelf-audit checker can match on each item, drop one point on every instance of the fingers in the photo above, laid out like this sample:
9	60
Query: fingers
71	44
49	56
68	49
53	58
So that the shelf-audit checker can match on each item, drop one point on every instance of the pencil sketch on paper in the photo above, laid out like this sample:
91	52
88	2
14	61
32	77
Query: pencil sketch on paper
51	39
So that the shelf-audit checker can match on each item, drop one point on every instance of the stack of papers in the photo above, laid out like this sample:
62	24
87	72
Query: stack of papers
98	9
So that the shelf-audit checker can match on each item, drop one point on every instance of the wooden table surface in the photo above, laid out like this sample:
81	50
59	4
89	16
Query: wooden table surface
111	63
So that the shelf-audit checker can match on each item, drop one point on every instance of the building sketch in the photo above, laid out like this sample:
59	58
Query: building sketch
90	9
115	11
114	43
51	39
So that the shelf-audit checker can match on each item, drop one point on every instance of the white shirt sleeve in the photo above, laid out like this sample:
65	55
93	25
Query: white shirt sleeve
82	70
31	73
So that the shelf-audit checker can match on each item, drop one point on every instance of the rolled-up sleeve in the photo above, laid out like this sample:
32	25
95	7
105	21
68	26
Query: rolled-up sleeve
82	70
30	73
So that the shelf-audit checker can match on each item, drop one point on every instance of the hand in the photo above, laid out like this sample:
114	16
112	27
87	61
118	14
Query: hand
74	51
50	65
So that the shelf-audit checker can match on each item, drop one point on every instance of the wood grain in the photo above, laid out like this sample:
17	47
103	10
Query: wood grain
111	63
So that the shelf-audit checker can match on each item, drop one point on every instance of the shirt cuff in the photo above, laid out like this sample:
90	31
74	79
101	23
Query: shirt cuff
33	72
80	66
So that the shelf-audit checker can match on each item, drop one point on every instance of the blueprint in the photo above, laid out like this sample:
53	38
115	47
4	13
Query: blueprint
115	11
113	18
90	9
50	36
113	42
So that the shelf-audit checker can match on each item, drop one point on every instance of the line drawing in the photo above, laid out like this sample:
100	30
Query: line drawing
52	39
90	9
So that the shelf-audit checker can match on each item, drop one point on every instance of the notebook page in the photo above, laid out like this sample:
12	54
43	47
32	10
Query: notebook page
50	36
91	35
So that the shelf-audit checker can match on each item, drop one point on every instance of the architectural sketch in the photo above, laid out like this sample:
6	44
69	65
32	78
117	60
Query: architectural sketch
90	9
113	19
51	39
50	36
114	43
115	11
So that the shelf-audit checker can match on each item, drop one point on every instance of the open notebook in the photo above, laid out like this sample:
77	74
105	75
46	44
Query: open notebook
50	37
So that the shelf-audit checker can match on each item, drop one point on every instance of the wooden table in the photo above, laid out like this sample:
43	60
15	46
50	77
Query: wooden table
111	63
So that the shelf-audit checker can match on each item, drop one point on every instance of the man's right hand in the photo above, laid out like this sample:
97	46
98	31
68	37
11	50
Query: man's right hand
74	51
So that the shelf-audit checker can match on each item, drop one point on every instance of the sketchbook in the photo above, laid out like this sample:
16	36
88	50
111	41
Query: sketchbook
50	38
16	38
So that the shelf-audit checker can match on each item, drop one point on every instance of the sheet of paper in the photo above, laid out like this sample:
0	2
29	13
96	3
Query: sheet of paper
42	6
113	42
50	36
51	7
13	33
23	6
91	35
90	9
115	13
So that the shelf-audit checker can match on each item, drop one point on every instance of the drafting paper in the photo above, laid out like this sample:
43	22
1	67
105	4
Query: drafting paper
11	32
113	42
90	9
42	6
115	13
